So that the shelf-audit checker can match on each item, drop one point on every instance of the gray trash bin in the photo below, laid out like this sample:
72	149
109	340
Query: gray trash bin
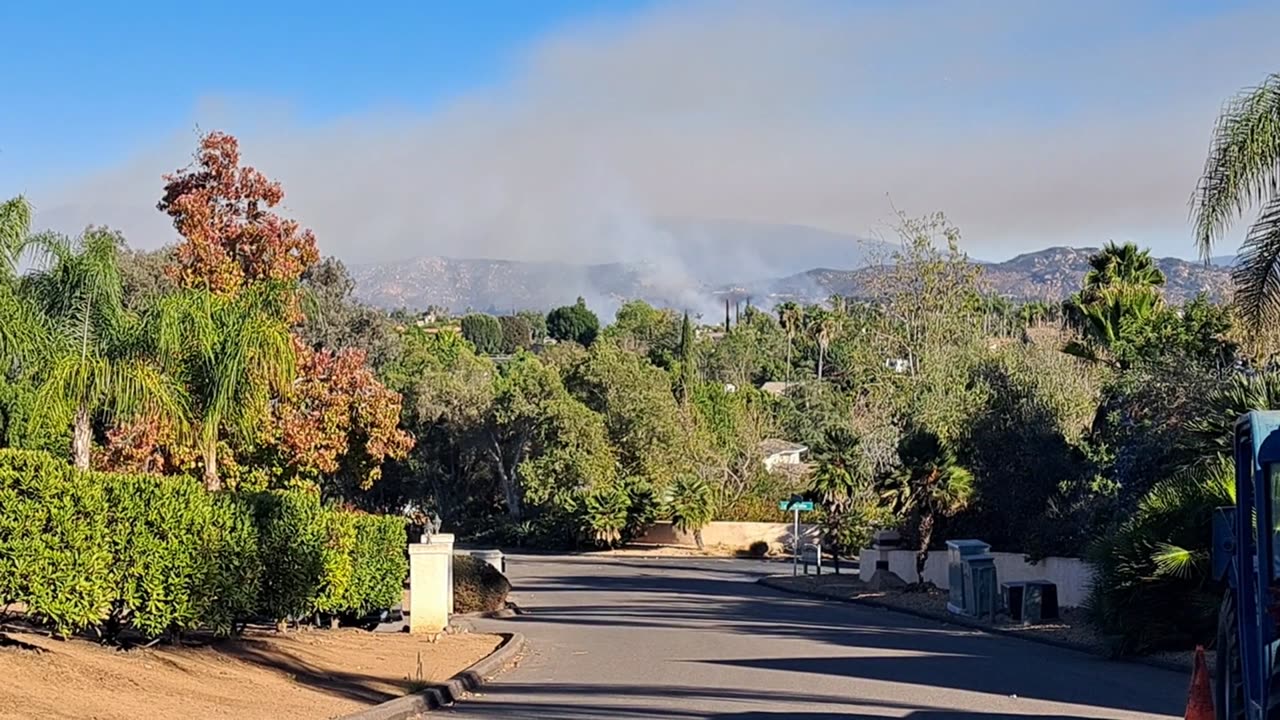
495	558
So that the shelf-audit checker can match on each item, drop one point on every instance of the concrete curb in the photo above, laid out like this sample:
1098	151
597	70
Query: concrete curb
772	582
450	691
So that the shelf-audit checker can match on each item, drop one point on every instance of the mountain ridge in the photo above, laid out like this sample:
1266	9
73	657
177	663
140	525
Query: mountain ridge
502	286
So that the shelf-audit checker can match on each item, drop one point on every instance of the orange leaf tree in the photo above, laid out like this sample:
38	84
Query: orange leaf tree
335	417
338	417
231	237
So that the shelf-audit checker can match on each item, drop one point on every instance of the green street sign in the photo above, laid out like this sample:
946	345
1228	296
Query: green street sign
802	506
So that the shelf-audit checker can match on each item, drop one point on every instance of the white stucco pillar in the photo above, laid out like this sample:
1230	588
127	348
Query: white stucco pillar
431	584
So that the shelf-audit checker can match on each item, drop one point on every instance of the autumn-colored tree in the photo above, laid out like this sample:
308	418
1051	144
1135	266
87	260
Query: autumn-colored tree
335	410
230	235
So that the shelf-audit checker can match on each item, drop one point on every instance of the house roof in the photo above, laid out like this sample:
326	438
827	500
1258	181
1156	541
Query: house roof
777	387
774	446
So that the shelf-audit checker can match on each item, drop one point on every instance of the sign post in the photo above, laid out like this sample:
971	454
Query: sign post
796	504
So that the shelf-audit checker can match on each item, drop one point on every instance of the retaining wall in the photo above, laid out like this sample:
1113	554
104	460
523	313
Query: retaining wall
730	534
1073	576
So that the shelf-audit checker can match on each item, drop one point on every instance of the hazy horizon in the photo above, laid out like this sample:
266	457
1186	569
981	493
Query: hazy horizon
568	131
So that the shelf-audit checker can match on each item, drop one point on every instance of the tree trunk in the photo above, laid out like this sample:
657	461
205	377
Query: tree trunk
81	438
926	539
211	480
788	358
821	353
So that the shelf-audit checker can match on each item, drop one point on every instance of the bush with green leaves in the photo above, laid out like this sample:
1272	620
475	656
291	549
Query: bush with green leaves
167	541
114	551
54	551
292	534
380	563
691	506
604	512
337	554
1153	589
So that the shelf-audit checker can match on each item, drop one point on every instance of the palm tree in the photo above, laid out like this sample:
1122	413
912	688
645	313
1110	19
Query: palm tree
18	332
825	326
15	225
1122	265
929	484
790	316
1116	305
94	357
232	353
1243	169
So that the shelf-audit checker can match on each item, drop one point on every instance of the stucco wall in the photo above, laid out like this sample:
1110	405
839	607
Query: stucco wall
1073	576
730	534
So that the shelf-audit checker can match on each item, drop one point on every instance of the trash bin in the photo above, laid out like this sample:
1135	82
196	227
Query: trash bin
495	558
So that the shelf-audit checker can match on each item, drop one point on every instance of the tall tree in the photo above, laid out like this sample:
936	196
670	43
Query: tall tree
929	485
575	323
790	316
235	355
1243	170
96	357
231	237
1117	310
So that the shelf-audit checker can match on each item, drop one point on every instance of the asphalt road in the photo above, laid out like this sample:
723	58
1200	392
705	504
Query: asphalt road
677	638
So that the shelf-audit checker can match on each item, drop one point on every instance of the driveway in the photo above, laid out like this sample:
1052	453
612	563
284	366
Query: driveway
692	638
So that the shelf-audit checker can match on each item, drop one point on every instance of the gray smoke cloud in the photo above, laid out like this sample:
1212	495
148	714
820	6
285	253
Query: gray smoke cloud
1030	124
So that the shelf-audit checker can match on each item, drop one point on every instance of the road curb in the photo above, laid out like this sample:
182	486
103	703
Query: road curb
772	582
450	691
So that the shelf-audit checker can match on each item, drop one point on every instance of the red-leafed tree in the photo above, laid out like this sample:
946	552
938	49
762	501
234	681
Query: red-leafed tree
339	417
231	237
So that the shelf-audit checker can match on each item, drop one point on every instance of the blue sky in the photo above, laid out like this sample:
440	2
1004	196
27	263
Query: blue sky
91	81
562	129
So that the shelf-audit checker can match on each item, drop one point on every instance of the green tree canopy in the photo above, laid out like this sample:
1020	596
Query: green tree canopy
574	323
483	331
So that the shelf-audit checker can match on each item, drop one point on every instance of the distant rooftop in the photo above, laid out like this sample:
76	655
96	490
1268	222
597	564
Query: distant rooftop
777	387
774	446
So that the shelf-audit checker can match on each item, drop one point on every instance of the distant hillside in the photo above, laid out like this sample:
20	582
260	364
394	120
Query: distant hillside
1050	274
502	286
677	262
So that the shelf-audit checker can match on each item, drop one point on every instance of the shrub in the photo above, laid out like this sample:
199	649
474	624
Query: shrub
758	549
380	563
238	578
337	558
166	550
604	514
54	554
292	535
478	586
691	506
1153	588
162	555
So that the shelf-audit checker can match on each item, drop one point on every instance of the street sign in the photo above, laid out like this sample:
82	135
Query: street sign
801	505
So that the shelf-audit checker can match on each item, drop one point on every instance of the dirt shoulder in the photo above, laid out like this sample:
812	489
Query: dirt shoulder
317	674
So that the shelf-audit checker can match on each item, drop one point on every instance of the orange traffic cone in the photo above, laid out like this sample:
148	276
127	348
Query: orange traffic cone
1200	697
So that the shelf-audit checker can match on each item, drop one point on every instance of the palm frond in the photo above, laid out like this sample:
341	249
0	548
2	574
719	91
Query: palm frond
15	224
1243	167
1257	270
1173	561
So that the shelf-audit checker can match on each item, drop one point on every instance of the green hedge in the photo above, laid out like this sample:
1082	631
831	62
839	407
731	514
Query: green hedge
162	555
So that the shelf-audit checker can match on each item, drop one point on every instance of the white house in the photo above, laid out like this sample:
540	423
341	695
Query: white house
774	452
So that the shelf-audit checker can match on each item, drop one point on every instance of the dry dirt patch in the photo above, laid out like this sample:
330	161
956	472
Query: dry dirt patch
319	674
